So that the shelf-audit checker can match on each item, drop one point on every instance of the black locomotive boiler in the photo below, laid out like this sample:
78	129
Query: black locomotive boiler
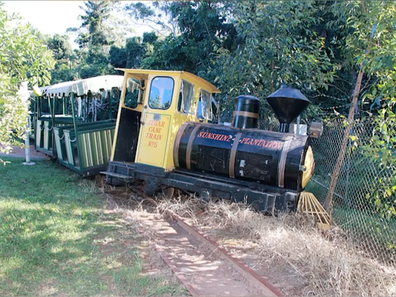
240	162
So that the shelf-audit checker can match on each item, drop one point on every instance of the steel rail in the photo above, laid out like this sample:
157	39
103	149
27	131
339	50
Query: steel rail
249	274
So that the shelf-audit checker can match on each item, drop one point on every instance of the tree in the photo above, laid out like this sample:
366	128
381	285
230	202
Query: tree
24	57
128	57
66	59
157	15
118	26
277	44
202	29
92	39
336	94
372	46
96	12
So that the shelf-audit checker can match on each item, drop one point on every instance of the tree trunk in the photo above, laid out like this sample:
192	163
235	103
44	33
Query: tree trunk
337	167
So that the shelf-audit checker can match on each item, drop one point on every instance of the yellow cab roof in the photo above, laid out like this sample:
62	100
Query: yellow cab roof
144	73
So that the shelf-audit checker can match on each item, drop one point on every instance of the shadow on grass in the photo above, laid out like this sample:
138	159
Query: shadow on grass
49	219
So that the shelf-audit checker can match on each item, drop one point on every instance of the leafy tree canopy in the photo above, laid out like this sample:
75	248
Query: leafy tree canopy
23	57
278	45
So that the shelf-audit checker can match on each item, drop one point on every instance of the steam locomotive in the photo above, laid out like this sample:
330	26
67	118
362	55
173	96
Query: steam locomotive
163	138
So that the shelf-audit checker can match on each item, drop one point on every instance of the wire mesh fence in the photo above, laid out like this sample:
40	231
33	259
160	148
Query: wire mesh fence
358	209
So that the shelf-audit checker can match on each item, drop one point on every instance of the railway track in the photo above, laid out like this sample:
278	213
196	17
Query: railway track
201	265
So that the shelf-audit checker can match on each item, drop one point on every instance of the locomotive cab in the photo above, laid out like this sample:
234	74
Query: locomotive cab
153	106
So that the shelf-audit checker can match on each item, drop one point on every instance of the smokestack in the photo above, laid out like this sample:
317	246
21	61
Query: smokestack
287	103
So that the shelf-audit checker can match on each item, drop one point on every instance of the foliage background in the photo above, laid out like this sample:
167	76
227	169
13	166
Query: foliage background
23	58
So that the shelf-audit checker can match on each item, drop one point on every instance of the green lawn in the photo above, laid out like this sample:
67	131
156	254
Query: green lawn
55	239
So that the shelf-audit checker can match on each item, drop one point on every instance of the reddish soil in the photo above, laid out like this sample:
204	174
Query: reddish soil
21	153
199	268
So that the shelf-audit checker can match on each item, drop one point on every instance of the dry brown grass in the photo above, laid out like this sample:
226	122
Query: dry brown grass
324	262
315	262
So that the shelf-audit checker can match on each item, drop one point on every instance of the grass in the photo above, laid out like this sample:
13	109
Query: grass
56	239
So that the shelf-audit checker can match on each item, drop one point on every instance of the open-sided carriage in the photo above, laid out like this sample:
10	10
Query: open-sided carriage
75	122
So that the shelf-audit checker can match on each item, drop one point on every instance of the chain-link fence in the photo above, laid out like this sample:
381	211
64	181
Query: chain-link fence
362	200
359	209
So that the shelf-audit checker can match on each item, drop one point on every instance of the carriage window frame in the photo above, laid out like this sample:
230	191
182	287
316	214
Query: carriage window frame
189	101
204	109
164	104
44	103
135	89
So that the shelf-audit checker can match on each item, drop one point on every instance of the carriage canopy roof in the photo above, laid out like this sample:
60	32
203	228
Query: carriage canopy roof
83	86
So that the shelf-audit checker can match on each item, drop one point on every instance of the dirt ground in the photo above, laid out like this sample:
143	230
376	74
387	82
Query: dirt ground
21	153
288	251
136	210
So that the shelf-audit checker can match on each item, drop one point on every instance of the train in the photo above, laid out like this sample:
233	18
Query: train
156	127
164	138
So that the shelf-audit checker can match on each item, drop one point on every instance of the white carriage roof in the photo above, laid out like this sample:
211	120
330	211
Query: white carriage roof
82	86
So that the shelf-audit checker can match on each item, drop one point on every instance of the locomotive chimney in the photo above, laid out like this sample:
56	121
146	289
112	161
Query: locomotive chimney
246	112
288	103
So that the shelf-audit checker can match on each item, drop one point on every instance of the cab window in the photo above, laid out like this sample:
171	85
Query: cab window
186	97
161	91
133	93
204	108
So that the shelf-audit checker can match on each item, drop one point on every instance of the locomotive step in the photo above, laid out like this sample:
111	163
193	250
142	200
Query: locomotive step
117	175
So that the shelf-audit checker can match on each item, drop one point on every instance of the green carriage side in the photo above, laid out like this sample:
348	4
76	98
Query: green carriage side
75	122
